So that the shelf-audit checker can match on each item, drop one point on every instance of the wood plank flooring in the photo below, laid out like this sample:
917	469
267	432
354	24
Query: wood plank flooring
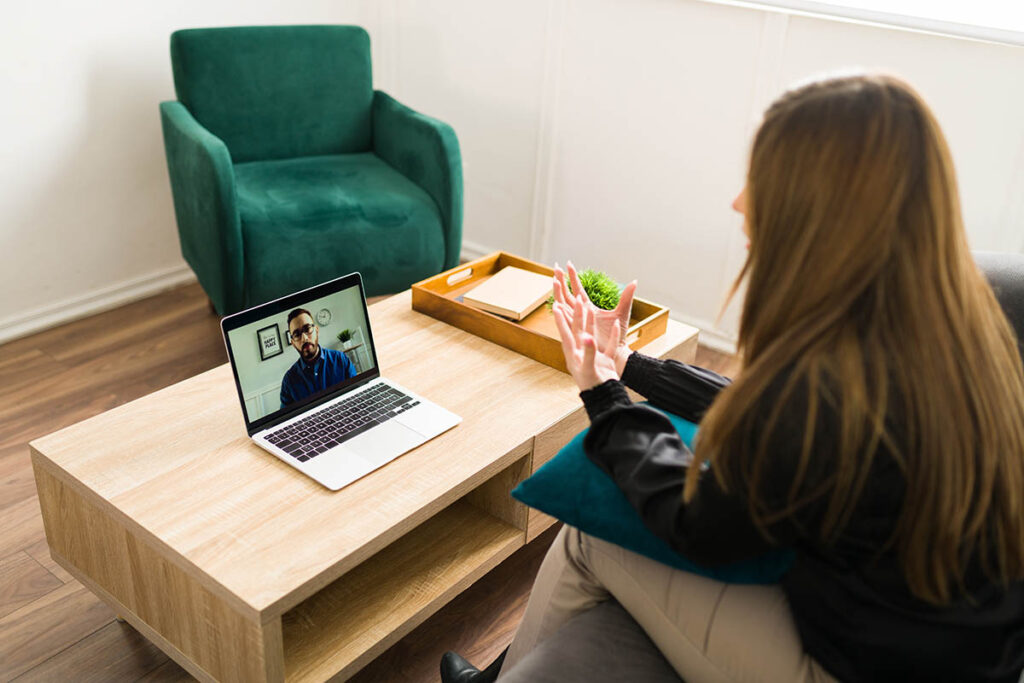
52	628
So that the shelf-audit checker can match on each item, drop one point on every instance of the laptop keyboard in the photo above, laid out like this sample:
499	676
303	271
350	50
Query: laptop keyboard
341	421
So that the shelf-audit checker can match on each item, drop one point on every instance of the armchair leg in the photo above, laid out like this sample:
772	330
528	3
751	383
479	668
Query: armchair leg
213	309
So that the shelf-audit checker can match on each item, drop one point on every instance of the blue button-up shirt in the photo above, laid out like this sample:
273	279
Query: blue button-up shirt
305	379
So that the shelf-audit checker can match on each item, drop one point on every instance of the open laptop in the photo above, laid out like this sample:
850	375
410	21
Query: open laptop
315	401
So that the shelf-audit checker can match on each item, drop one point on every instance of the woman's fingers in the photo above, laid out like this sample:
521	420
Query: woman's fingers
560	292
589	354
613	342
626	298
558	288
578	318
576	284
568	340
566	310
622	311
592	324
590	330
564	330
589	321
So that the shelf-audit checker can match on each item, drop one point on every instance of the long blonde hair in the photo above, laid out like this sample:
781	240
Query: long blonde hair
861	282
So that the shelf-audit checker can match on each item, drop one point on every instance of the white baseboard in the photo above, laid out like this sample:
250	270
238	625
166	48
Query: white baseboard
710	336
96	301
106	298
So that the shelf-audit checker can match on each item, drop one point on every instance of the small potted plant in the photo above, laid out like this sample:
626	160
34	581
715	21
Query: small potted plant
345	336
600	287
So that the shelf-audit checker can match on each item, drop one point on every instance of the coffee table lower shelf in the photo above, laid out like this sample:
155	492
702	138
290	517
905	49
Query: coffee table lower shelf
350	622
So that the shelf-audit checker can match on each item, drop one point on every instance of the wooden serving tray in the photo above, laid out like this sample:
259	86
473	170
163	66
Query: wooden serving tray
536	336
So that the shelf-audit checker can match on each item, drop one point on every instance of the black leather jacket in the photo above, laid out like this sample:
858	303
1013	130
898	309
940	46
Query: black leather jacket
852	608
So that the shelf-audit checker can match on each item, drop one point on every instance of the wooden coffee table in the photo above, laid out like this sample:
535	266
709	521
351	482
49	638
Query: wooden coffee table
241	568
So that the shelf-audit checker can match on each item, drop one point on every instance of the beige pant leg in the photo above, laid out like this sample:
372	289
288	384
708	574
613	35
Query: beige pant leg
707	630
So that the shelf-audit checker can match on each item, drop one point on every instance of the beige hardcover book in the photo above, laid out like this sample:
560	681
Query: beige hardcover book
512	292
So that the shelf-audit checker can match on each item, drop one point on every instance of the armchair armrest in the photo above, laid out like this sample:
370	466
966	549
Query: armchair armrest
426	151
203	186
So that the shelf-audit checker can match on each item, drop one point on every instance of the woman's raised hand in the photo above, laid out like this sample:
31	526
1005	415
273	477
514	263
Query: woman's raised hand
605	322
587	362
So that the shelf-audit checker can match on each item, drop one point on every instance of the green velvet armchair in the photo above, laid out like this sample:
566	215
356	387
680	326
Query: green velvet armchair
288	169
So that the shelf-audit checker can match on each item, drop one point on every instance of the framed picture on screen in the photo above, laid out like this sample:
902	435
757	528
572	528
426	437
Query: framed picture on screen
270	341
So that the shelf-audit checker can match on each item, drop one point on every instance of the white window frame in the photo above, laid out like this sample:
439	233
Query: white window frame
1012	35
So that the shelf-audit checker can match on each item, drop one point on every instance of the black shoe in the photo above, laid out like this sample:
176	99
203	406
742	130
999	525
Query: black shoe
455	669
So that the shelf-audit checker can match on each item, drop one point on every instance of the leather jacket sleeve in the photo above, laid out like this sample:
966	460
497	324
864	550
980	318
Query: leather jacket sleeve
640	450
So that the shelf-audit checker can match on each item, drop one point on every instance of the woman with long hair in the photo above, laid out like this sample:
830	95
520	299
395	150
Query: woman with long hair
876	426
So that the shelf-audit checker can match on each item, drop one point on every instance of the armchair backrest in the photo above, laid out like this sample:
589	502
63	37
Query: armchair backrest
275	92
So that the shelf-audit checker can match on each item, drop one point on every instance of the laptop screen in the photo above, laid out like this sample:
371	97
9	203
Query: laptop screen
304	347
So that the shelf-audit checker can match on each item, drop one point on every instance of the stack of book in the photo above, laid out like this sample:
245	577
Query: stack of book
511	293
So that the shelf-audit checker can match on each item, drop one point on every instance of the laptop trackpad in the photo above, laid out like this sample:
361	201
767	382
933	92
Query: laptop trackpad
385	442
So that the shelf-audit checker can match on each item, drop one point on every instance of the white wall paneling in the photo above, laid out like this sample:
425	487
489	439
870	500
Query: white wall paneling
87	215
480	67
647	113
543	195
614	133
976	90
653	135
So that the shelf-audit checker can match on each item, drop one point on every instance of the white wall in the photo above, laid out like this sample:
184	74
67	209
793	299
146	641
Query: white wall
612	132
480	67
616	133
87	219
654	116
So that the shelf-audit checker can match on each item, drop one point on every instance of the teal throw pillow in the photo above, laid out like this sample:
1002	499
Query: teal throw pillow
576	491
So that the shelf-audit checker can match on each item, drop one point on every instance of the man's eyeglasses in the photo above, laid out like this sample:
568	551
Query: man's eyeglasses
300	332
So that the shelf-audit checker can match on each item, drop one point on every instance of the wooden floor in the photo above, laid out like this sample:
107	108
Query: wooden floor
53	629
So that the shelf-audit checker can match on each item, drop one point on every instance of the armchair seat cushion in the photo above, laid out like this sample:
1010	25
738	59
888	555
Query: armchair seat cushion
310	219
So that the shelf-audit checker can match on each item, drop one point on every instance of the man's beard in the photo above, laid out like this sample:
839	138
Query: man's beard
313	349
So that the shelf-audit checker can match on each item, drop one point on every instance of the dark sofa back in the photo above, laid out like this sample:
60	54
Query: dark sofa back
1005	272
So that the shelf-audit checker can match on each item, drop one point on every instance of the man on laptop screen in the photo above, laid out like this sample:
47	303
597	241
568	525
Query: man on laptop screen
317	368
